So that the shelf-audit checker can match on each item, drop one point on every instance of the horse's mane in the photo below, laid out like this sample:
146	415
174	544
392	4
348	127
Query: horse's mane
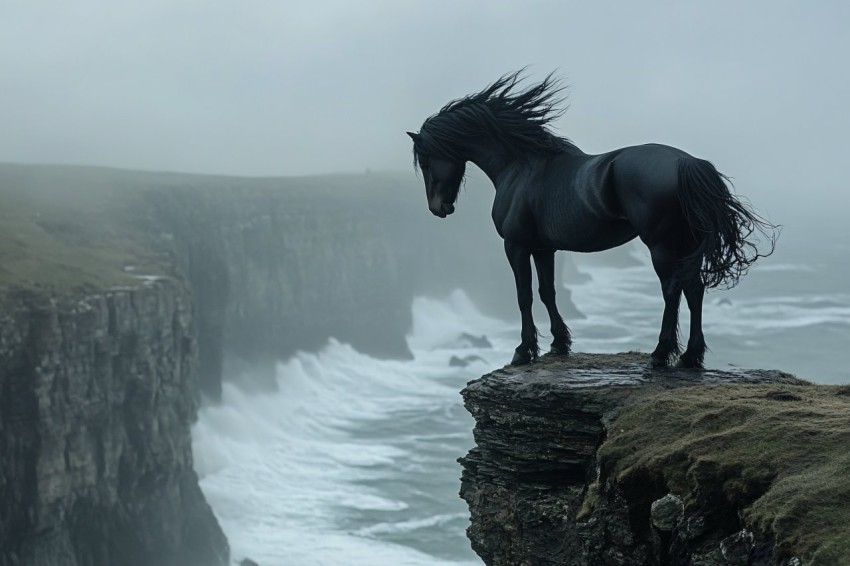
517	118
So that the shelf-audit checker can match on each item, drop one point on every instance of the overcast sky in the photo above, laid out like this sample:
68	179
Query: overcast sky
290	87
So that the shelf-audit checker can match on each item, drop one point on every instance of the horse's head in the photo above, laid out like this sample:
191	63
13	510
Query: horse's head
443	177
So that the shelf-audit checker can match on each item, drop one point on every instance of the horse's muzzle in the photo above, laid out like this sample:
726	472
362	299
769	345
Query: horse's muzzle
442	210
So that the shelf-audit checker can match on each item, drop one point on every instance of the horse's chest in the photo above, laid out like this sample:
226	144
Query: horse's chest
515	222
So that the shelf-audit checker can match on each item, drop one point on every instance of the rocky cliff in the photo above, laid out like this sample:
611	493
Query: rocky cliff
274	264
278	265
96	401
281	265
598	460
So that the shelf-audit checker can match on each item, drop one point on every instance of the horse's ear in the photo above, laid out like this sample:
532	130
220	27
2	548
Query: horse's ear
415	137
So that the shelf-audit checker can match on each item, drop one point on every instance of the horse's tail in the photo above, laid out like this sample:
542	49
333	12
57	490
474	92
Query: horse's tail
727	230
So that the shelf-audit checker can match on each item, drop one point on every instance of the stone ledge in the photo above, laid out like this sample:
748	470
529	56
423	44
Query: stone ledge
533	480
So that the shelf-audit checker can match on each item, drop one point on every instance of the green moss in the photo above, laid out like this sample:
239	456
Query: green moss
589	503
781	453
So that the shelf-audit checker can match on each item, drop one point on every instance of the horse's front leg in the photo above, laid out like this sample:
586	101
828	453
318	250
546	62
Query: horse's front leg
544	261
520	259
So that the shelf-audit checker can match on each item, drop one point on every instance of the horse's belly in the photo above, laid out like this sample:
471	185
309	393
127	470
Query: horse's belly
590	237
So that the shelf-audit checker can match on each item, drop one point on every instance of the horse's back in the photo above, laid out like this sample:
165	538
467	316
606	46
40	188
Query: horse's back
575	207
650	170
646	181
606	184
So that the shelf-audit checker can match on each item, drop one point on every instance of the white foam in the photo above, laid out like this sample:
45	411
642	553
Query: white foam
281	468
408	526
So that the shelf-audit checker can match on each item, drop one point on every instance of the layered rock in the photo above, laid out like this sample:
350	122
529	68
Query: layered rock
95	412
598	459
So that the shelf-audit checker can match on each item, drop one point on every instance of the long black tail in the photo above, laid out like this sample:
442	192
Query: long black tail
728	231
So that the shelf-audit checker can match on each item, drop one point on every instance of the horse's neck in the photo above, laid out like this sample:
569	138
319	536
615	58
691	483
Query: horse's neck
520	174
497	162
505	173
492	159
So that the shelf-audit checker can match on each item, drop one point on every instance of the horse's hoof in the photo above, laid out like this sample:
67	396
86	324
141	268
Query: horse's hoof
521	359
689	362
658	363
560	350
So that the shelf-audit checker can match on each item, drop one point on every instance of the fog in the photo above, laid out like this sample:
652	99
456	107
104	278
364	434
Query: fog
304	87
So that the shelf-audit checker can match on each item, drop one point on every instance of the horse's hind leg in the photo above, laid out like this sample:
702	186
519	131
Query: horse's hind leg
520	259
544	261
695	353
667	269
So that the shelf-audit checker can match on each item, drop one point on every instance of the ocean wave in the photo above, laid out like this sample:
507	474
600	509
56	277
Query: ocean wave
410	525
346	439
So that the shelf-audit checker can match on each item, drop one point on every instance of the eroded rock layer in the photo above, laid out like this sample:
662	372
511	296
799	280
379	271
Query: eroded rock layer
539	495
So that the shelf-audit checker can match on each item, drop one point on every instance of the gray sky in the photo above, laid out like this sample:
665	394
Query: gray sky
292	87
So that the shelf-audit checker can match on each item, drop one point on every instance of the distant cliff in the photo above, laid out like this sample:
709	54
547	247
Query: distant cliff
282	264
598	460
274	264
96	401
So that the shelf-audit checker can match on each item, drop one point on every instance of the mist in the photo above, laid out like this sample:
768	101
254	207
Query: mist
301	88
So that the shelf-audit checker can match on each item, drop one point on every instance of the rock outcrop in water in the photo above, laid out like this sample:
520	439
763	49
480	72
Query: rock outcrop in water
598	460
97	395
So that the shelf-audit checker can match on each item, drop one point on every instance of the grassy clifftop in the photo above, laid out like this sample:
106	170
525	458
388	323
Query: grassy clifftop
781	453
64	228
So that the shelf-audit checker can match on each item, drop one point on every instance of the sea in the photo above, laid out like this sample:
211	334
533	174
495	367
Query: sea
352	460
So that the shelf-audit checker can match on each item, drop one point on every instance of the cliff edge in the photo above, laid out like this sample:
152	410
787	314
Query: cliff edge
597	460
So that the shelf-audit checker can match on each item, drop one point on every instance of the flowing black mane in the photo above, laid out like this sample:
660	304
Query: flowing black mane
519	119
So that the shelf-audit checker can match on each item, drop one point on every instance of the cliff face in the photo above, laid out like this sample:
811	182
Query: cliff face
599	460
275	270
274	264
96	401
278	265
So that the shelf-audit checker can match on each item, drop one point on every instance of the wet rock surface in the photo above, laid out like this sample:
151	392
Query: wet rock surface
533	483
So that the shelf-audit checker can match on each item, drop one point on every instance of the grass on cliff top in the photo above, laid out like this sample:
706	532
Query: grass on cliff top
779	452
68	227
61	231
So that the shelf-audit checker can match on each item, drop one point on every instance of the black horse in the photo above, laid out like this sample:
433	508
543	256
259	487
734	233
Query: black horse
552	196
